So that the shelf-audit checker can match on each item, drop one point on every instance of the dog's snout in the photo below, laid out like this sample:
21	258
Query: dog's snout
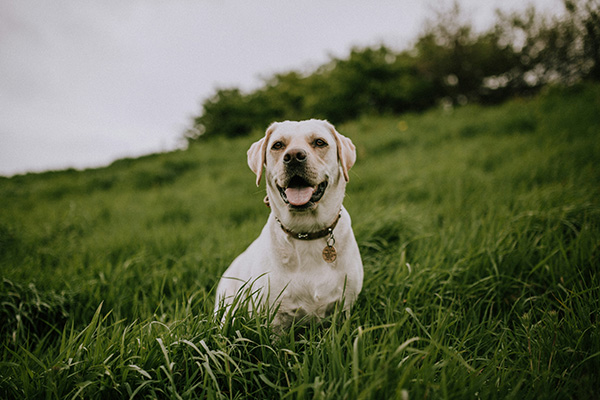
294	156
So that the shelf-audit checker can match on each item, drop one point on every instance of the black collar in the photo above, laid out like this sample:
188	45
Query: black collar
310	235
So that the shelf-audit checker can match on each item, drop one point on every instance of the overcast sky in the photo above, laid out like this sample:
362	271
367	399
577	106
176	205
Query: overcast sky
83	83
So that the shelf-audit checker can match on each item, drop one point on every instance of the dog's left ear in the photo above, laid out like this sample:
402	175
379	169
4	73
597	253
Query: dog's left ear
258	152
345	149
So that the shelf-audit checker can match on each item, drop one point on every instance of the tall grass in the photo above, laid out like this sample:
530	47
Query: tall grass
480	235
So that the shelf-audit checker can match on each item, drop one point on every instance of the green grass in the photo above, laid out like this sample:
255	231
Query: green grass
480	235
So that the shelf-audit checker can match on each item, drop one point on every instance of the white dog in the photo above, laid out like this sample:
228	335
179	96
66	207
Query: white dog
306	259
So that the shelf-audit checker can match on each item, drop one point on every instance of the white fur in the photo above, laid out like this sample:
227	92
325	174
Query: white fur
288	272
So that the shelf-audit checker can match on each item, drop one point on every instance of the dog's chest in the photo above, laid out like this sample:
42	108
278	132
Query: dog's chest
313	296
311	286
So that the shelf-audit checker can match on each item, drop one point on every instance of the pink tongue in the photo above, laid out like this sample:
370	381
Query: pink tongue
299	196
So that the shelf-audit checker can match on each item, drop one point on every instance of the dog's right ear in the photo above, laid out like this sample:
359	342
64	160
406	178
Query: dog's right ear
345	148
257	154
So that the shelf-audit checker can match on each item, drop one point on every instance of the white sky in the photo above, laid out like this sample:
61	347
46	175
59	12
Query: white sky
85	82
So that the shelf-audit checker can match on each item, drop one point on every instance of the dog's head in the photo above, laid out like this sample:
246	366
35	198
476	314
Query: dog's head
306	168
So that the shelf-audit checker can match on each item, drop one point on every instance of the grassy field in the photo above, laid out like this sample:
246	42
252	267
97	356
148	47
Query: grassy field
479	229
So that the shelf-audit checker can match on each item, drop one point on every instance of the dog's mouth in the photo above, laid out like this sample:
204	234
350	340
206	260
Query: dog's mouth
300	194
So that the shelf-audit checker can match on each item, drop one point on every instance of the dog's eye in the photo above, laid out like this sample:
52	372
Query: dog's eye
320	143
277	146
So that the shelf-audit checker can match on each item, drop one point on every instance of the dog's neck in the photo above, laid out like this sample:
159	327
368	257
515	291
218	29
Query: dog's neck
311	235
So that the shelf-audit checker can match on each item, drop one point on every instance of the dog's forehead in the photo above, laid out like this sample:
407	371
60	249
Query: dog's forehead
294	129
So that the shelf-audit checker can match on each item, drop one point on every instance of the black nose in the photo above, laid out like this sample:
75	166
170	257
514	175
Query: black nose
294	156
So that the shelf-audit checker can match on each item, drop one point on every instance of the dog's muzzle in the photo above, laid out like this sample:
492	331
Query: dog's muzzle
299	193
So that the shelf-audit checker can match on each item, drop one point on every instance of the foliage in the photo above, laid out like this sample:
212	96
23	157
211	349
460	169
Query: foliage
557	50
449	63
478	227
460	61
370	81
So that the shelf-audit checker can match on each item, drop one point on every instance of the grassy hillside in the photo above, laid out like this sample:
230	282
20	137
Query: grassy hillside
480	235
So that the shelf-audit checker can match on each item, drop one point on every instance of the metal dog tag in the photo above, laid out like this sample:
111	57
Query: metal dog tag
329	254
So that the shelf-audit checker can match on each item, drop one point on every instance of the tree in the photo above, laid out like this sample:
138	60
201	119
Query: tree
519	55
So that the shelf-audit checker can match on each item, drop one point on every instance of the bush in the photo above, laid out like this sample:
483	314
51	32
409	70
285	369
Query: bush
450	63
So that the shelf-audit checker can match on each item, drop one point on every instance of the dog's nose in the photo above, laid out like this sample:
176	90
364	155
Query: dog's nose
294	156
